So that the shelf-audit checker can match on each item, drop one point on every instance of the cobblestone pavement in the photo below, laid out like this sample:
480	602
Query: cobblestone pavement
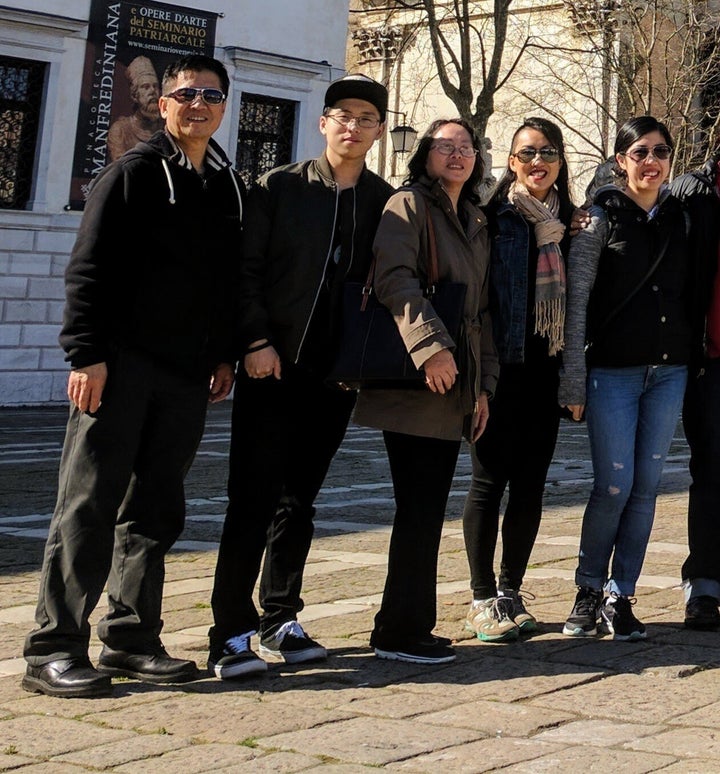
546	703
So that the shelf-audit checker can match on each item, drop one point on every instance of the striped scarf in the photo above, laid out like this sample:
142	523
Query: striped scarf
550	285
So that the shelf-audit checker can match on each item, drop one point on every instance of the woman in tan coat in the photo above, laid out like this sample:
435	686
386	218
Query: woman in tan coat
423	429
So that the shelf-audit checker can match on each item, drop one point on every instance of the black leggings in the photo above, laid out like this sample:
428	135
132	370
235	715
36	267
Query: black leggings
514	452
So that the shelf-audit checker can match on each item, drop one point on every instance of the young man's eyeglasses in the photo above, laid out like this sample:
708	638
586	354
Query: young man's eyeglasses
660	152
447	149
526	155
190	94
362	122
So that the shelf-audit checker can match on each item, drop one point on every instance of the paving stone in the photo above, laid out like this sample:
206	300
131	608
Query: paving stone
374	741
545	703
38	736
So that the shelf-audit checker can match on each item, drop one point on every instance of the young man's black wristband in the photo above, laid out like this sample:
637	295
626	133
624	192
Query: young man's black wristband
258	347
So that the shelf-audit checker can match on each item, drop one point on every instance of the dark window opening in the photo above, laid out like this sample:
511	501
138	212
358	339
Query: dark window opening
265	135
21	90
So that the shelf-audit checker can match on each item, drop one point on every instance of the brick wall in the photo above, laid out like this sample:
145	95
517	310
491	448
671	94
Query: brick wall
33	254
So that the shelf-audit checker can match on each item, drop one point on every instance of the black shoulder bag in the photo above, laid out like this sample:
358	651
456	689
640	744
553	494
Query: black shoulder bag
372	352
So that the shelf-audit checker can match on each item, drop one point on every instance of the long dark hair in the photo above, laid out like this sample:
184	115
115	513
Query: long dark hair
417	166
554	136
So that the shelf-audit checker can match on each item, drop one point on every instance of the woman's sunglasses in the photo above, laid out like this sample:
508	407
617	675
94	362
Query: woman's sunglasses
526	155
189	94
660	152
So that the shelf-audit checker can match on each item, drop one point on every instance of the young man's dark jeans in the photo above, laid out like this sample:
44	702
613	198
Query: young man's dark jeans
284	436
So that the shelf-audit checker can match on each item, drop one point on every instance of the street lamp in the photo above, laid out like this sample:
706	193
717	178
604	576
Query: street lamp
403	136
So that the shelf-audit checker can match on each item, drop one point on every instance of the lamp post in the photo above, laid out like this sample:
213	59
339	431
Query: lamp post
403	136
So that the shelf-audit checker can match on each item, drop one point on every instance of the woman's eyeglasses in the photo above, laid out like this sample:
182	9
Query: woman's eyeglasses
660	152
447	149
526	155
189	94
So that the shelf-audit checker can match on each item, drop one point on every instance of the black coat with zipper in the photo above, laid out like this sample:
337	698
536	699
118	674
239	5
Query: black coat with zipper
289	235
153	267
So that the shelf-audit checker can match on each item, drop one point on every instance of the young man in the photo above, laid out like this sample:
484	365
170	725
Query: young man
310	226
700	191
148	334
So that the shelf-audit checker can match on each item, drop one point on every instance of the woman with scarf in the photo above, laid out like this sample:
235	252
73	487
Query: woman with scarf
529	213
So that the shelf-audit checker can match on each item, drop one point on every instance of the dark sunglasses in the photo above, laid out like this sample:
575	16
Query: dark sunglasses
526	155
190	94
660	152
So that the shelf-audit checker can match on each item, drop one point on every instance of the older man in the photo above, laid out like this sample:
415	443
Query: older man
148	334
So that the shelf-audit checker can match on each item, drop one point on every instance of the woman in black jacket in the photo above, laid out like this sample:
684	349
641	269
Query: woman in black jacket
628	343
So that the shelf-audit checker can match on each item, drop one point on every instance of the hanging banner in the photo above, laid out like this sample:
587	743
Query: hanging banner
129	46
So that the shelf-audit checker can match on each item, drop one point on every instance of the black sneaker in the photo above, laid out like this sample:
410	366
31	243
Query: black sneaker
618	618
429	651
291	644
583	619
702	613
235	659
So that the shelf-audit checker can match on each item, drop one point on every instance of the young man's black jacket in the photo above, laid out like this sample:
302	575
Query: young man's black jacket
154	263
288	241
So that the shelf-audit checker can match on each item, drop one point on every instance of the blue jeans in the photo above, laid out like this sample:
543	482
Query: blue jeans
631	414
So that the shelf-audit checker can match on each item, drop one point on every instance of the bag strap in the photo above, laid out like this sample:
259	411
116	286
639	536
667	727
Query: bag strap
433	272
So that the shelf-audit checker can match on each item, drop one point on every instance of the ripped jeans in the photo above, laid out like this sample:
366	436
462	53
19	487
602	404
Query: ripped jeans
631	415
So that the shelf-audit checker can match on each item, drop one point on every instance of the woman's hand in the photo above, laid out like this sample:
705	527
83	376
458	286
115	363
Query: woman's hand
577	410
440	371
480	417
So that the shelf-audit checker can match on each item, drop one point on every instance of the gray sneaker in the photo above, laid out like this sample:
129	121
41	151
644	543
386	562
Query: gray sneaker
491	620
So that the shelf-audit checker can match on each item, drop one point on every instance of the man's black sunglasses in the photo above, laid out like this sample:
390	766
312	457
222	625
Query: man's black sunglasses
190	94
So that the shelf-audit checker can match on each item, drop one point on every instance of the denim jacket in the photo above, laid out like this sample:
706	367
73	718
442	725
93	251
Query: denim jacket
512	239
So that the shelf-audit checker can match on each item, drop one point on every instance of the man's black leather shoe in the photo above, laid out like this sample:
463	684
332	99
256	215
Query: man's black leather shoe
702	613
150	667
70	678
